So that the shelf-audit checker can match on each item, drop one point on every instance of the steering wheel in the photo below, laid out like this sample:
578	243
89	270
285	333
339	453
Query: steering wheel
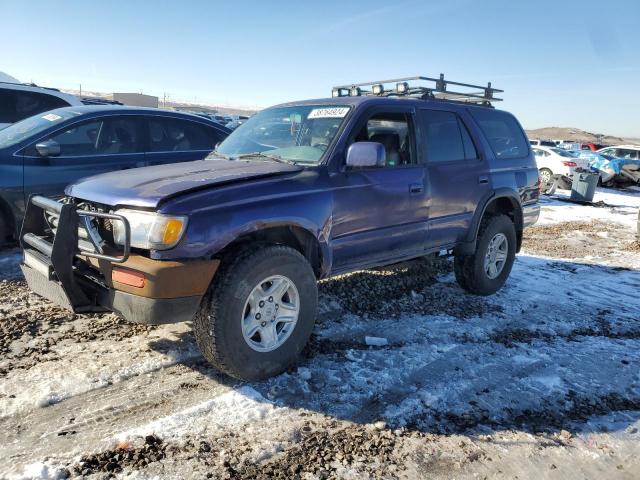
320	146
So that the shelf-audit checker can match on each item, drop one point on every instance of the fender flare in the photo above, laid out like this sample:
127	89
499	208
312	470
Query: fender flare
320	234
469	246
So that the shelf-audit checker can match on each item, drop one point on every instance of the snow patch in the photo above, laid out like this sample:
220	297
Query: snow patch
233	409
38	471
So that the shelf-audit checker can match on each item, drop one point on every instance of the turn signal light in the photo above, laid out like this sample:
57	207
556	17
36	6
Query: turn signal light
127	277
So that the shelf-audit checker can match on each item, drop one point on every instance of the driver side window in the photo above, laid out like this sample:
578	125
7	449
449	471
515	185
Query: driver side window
394	131
95	137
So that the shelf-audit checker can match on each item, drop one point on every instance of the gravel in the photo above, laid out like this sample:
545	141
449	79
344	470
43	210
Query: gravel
326	453
407	288
114	461
575	239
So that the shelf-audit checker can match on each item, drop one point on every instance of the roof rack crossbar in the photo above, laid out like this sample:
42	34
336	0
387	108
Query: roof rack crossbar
440	89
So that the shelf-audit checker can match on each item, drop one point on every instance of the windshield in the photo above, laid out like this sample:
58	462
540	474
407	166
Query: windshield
28	127
298	134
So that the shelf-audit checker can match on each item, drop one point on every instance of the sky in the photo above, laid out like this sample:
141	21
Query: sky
565	63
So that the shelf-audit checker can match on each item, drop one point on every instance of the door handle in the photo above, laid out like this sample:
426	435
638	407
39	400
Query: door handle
416	188
482	179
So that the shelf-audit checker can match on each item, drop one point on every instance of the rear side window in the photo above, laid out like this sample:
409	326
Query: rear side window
175	135
505	136
17	105
445	137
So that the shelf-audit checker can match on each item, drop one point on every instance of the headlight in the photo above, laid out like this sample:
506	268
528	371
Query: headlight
150	230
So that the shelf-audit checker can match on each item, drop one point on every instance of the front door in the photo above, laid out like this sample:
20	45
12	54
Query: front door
87	148
380	214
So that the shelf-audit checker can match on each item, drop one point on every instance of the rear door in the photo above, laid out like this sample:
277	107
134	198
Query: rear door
88	147
172	140
457	174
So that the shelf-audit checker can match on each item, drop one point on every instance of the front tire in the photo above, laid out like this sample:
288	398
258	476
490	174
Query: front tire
486	270
258	313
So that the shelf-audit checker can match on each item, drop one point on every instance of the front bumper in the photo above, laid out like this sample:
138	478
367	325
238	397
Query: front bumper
72	273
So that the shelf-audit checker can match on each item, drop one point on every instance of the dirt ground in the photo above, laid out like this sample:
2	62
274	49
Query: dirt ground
538	381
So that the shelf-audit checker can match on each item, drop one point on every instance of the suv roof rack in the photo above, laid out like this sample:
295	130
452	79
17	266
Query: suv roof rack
438	89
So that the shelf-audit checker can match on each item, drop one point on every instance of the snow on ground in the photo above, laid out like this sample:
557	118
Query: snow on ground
540	380
233	409
620	206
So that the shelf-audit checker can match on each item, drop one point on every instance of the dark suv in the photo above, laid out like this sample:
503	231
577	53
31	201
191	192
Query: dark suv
23	100
301	191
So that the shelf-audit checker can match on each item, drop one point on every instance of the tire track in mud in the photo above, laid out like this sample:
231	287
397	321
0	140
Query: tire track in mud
87	421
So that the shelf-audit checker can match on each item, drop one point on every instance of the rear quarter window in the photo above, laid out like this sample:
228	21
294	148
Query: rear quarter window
503	132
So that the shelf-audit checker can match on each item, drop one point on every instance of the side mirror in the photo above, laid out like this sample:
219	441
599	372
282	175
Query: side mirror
366	154
48	148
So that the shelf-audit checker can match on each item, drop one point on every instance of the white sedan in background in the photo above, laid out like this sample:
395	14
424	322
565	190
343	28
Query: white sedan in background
556	161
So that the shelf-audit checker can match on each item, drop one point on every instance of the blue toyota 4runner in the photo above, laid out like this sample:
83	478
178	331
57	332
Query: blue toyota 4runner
380	173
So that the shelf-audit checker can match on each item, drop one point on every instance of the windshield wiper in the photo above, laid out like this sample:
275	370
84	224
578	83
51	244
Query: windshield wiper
275	158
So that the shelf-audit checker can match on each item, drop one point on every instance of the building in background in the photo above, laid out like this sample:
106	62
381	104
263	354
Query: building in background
136	99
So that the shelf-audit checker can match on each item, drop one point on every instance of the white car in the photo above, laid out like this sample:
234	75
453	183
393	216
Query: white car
630	152
556	161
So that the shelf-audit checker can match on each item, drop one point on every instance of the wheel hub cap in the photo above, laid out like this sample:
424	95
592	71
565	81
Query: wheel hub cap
496	256
270	313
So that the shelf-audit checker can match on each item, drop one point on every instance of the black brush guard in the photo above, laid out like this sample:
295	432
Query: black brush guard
51	262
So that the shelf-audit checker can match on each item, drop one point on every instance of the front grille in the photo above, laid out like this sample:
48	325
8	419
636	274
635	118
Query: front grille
103	226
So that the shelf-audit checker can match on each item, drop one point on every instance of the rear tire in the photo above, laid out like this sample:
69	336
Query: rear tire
474	272
242	299
545	175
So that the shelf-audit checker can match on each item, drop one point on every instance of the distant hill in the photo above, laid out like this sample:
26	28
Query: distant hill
577	135
4	77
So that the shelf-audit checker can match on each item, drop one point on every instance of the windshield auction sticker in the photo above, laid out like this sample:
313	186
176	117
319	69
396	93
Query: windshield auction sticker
52	117
335	112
